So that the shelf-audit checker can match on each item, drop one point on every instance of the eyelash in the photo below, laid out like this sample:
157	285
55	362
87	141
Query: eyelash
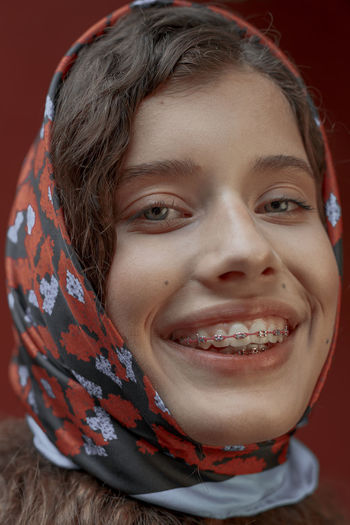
157	204
300	203
163	204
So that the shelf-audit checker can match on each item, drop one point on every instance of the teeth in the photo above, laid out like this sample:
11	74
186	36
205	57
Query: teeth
202	342
260	326
239	330
247	350
237	335
219	339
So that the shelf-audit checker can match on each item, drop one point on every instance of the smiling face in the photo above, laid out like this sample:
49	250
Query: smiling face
218	228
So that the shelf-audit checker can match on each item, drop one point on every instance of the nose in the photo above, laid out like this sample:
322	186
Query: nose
235	247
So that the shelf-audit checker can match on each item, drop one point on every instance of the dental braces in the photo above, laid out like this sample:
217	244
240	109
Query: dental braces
238	335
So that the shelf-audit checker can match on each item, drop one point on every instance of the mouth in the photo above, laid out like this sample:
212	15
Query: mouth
252	337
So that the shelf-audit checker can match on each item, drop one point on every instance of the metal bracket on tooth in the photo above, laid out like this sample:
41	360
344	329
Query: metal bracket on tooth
240	335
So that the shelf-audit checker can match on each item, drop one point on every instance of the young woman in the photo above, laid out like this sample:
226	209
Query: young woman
173	274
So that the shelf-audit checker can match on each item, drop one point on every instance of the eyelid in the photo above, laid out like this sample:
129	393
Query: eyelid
163	203
154	204
302	204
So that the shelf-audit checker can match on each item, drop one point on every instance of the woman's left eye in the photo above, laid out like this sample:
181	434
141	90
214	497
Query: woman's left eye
285	205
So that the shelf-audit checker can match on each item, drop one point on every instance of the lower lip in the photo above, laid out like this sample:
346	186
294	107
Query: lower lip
227	364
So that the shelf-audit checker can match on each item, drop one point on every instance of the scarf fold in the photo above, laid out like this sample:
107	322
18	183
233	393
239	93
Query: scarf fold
246	495
88	401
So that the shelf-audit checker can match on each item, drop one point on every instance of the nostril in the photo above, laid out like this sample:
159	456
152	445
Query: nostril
268	271
231	275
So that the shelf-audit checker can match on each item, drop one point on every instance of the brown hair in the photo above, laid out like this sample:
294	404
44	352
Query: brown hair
178	47
33	491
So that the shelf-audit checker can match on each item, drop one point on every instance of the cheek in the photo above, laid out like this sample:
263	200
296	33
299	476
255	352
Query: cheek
317	272
321	275
310	259
327	288
314	276
143	275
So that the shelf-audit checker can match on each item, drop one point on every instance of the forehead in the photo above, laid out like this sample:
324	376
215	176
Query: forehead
236	109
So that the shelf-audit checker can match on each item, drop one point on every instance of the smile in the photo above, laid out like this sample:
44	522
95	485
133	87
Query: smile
237	338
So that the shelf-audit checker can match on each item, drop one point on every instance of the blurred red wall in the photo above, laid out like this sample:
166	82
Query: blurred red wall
34	36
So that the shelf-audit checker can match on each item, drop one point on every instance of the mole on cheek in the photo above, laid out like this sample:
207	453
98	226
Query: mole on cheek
166	282
327	341
283	285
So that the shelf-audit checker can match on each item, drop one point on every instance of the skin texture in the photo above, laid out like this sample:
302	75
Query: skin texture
222	242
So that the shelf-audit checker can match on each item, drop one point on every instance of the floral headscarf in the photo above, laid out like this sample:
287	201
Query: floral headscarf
89	404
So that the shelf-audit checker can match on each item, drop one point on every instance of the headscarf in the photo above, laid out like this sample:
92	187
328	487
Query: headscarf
88	402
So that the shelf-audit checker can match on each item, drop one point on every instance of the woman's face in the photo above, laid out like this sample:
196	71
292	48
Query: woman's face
218	229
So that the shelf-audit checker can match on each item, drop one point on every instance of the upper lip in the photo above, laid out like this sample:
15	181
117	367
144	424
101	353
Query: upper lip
233	312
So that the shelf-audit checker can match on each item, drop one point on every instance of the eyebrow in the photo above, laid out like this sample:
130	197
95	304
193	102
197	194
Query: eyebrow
176	167
276	162
173	167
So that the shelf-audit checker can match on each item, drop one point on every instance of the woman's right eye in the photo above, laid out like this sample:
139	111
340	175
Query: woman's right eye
159	216
159	212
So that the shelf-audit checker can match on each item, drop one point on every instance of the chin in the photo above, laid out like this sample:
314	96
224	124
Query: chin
241	429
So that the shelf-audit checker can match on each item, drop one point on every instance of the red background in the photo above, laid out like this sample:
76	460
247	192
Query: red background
33	38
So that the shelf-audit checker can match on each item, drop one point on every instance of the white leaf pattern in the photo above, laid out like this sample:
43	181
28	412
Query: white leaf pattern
104	366
32	298
48	388
49	291
93	389
125	357
74	287
102	422
234	448
23	373
30	219
11	300
12	233
333	210
32	401
160	403
49	108
91	449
